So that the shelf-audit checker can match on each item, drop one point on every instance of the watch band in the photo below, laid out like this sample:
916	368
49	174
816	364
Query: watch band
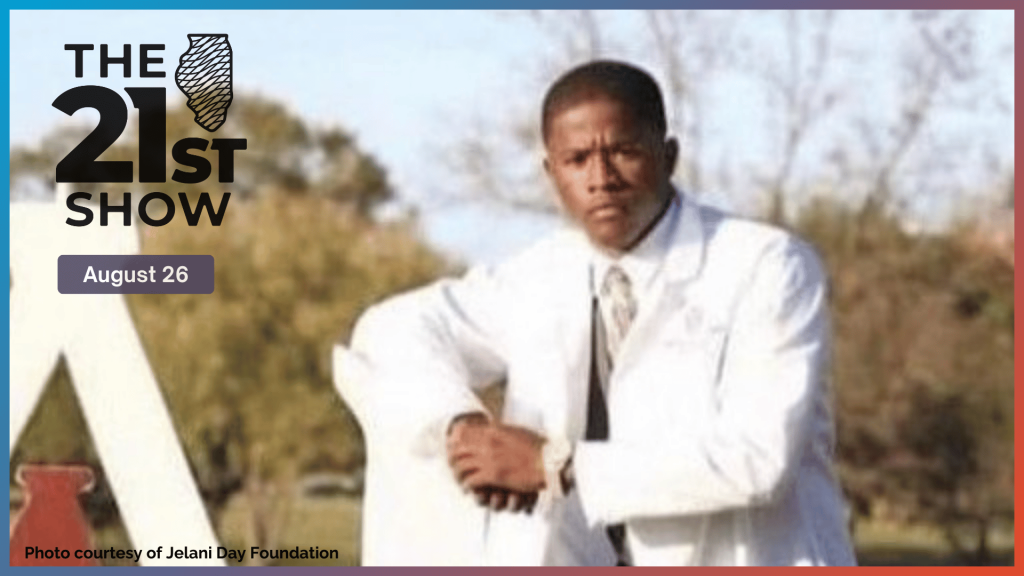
556	455
567	476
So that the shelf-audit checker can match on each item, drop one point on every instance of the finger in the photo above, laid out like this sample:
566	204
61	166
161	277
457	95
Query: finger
462	450
454	435
477	478
526	501
483	496
515	501
452	458
467	470
464	438
531	502
499	499
452	444
458	459
460	467
465	459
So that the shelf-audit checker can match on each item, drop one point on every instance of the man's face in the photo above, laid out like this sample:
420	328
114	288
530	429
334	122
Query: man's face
611	174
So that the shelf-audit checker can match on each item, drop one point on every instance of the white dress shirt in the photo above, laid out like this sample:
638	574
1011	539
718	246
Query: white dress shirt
641	264
576	543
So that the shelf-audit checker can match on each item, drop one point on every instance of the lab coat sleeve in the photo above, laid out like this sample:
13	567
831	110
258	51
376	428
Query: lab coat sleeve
772	387
411	366
425	352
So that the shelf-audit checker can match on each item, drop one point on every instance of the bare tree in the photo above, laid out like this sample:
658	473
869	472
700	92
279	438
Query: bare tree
807	75
799	81
498	156
937	59
577	34
691	46
497	160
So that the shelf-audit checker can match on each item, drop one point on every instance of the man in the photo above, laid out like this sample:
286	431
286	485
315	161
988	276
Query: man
666	399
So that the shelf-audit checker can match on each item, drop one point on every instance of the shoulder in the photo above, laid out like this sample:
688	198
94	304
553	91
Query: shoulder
741	252
487	293
732	237
550	256
559	247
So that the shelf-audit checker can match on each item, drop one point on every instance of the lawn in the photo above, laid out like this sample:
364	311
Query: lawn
333	523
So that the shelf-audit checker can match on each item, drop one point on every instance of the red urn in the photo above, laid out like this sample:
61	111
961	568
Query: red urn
51	525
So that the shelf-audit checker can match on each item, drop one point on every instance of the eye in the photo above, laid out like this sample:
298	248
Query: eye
627	151
577	158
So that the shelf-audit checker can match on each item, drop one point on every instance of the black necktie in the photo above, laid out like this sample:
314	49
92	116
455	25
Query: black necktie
597	408
597	418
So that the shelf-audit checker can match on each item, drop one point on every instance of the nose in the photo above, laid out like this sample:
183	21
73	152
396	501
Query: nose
603	176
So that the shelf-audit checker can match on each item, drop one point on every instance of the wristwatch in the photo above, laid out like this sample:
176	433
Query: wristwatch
559	477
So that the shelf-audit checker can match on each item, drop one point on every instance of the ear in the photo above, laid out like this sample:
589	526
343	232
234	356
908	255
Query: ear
547	167
671	156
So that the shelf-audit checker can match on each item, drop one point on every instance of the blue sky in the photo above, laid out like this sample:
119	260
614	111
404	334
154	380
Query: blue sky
405	83
394	79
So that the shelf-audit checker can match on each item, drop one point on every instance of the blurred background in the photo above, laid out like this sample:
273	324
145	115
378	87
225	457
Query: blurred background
388	149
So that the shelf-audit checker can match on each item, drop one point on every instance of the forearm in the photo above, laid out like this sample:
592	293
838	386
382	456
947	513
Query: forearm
619	481
419	377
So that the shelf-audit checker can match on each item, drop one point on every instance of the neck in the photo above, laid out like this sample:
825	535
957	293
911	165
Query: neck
646	230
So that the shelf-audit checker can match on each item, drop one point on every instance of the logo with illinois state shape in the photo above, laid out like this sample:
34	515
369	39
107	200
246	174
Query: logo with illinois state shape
204	76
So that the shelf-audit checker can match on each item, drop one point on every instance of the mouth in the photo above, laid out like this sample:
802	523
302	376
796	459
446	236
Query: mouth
607	211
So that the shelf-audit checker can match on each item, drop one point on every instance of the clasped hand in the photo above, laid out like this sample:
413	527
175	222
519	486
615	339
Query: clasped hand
502	465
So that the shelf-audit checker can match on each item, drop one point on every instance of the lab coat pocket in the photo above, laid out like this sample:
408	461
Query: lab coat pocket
702	351
679	379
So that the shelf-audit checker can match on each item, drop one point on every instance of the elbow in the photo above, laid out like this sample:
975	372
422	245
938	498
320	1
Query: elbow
777	456
761	473
368	326
380	325
768	482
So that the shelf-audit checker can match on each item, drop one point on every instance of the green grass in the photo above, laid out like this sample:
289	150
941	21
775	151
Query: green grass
330	523
333	523
886	544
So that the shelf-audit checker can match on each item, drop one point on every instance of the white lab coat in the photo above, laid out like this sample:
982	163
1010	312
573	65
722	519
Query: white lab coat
721	440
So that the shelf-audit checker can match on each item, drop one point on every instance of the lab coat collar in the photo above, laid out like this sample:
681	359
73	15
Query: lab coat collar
679	242
642	263
681	261
686	255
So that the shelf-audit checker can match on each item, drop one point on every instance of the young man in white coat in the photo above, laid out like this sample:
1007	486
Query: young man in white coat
666	367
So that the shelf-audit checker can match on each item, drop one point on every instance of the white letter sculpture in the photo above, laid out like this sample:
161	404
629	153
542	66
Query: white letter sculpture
116	388
414	513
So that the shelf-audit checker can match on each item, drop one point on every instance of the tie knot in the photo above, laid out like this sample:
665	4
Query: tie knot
618	291
618	307
617	285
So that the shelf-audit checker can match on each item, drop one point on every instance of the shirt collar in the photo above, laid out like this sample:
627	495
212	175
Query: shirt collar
643	262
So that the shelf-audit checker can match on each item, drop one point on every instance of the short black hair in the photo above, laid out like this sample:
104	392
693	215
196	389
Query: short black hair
619	81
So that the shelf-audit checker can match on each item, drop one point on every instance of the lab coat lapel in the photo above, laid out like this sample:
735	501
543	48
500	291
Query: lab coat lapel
574	318
681	266
524	539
